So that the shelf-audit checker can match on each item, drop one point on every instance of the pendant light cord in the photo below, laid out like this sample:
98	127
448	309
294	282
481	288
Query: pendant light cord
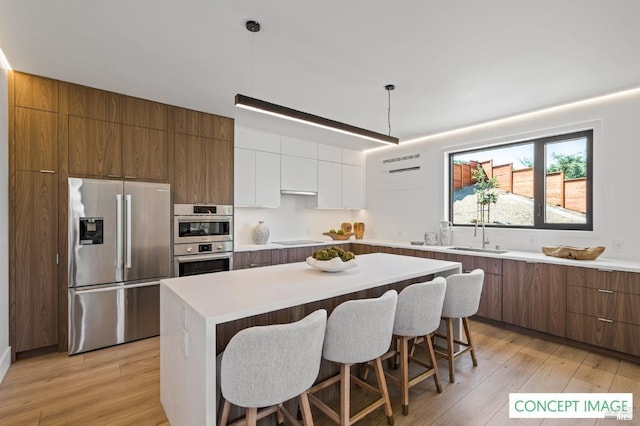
389	88
389	111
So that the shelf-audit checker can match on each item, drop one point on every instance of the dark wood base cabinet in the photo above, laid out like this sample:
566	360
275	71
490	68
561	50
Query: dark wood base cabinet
614	335
534	296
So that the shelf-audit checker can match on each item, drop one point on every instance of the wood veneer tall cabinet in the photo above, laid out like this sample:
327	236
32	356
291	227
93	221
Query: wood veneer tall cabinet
203	157
33	168
116	136
535	296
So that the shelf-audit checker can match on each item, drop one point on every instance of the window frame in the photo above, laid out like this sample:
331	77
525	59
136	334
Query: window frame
539	184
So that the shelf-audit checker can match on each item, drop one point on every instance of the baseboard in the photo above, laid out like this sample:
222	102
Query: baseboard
5	362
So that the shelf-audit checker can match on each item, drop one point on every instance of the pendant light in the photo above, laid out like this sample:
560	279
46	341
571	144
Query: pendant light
264	107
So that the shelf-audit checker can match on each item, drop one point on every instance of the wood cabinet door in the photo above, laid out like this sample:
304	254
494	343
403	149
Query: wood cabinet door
36	139
491	298
88	102
535	296
144	153
190	169
36	92
95	148
36	240
219	171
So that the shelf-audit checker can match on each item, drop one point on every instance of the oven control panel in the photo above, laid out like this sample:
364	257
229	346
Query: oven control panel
202	248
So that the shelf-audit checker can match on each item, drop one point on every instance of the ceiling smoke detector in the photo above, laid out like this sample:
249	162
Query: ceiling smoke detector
253	26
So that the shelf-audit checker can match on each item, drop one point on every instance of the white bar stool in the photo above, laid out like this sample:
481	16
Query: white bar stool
418	314
358	331
265	366
461	300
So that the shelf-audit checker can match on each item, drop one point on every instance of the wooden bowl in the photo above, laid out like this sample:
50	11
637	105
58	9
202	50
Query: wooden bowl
578	253
335	236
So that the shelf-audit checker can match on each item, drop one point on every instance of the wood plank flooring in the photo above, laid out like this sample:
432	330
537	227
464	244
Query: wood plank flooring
120	385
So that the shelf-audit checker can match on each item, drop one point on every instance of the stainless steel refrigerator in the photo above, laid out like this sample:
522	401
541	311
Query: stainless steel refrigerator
119	249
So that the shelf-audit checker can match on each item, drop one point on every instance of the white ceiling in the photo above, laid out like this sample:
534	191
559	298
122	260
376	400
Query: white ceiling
454	63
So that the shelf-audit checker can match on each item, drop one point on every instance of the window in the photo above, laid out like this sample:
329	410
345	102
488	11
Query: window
543	183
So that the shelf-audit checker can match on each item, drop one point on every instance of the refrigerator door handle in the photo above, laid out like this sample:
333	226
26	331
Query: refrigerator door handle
127	205
119	231
116	287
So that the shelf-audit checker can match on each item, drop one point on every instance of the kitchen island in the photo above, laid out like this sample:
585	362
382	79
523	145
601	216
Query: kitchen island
193	310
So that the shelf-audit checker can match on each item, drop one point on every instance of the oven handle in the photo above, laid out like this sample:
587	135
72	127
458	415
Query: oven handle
198	258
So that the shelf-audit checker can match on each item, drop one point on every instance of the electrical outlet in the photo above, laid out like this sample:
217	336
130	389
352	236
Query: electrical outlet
618	245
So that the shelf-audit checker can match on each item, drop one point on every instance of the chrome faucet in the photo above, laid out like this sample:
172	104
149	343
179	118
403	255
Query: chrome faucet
475	232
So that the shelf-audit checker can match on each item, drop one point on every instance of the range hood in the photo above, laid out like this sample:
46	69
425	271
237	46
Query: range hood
296	192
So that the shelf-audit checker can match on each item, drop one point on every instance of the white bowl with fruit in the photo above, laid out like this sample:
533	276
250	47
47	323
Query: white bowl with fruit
332	259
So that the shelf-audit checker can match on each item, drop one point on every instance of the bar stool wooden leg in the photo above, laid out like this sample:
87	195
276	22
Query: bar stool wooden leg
382	384
404	373
224	417
279	416
465	322
432	358
345	394
452	368
252	416
305	408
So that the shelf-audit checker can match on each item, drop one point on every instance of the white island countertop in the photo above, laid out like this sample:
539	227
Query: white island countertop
227	296
192	307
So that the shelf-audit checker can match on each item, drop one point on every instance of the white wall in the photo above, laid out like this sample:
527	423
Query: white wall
404	212
293	220
5	350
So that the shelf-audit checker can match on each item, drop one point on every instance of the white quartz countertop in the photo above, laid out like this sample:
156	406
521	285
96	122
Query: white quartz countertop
226	296
602	262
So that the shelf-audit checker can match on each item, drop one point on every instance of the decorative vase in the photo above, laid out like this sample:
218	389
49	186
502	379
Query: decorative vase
358	228
260	233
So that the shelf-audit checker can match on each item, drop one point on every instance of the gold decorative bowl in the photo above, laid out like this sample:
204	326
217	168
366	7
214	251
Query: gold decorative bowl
335	236
578	253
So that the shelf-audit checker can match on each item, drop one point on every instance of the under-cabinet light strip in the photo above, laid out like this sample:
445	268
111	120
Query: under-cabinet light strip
4	63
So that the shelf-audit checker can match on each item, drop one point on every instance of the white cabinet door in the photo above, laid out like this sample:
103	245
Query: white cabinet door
352	187
244	178
329	153
267	179
256	140
352	157
329	185
299	147
298	174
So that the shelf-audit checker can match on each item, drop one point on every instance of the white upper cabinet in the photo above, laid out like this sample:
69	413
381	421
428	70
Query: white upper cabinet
329	185
298	174
299	147
244	179
329	153
355	158
352	187
256	140
256	178
267	179
256	168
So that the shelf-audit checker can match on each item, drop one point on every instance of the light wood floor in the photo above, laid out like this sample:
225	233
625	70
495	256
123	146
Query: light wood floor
120	385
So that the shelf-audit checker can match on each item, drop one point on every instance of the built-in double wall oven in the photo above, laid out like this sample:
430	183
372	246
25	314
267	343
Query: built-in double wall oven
203	239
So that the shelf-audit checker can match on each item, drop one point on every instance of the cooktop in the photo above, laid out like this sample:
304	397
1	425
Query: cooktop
296	242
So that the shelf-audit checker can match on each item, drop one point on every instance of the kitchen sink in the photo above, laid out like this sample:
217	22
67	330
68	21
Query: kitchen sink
479	250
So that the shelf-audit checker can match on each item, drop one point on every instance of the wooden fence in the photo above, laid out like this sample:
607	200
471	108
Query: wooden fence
567	193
